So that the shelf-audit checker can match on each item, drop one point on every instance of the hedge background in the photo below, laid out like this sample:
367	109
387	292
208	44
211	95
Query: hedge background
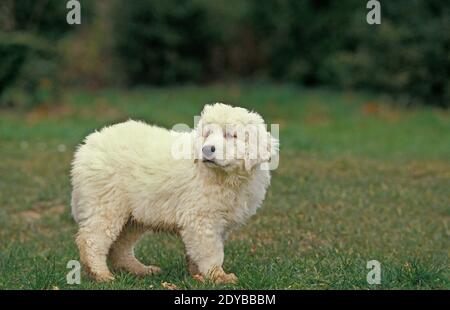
152	42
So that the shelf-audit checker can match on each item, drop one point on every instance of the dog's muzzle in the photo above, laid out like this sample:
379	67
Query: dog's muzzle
208	152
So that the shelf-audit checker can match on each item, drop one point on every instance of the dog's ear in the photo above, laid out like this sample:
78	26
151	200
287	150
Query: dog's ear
251	147
258	146
261	149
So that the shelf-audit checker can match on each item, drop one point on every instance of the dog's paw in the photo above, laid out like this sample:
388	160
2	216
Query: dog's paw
138	269
226	278
106	277
152	270
143	271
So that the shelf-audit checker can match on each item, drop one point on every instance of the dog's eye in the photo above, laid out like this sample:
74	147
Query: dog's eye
229	135
206	133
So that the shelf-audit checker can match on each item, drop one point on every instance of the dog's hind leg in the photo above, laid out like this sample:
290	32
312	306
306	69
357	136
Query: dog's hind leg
94	240
122	251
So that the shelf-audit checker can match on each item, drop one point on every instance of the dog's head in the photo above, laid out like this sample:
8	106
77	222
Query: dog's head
233	138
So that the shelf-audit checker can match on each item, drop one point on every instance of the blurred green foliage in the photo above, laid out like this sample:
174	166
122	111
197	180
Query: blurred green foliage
27	69
310	42
162	41
29	57
148	42
329	42
182	40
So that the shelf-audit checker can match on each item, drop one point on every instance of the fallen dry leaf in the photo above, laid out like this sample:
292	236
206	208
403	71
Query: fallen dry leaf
169	286
370	108
30	215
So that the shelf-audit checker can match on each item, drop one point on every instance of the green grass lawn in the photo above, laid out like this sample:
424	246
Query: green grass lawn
358	180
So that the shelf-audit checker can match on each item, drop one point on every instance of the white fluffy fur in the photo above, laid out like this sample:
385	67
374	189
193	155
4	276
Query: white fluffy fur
126	182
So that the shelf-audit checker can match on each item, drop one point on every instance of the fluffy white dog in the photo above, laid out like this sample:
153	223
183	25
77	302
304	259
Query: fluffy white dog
127	180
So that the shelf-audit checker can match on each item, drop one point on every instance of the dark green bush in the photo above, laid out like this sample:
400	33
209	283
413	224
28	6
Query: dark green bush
163	42
329	42
310	42
27	69
29	33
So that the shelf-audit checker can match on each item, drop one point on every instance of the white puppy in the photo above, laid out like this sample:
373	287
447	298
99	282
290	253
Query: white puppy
126	181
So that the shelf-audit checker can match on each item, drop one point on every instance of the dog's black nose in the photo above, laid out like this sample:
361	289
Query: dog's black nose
208	151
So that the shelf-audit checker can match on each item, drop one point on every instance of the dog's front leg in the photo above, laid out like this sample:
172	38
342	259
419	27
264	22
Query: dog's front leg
204	246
